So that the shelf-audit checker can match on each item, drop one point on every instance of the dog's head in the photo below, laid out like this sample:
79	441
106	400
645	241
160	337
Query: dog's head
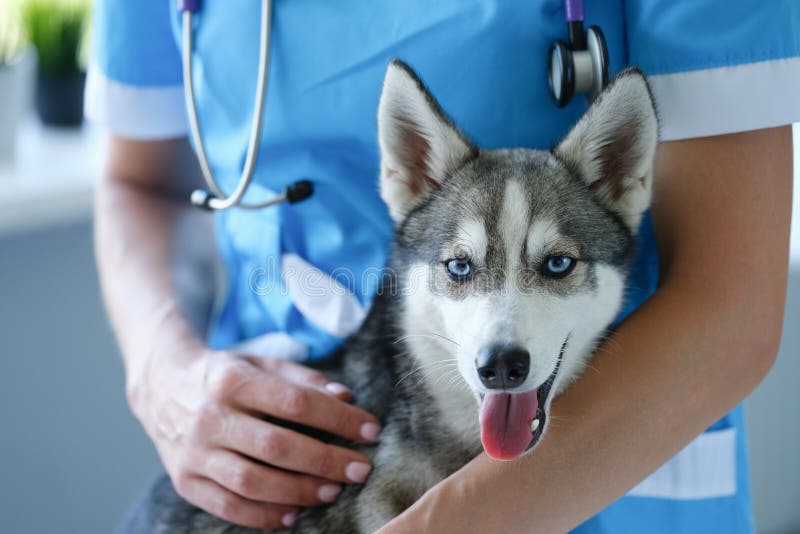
513	262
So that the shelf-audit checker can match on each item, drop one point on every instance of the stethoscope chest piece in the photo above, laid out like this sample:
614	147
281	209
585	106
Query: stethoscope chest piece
581	65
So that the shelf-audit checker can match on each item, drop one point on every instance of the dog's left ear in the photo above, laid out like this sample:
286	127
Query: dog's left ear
420	145
613	146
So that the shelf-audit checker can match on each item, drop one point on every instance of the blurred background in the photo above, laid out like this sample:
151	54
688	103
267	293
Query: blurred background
71	456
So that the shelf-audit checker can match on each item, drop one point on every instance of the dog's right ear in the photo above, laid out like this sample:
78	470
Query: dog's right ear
420	146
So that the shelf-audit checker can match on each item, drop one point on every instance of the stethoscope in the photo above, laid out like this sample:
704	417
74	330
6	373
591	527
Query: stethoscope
580	66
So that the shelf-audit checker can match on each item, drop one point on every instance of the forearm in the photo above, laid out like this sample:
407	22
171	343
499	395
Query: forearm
137	247
132	244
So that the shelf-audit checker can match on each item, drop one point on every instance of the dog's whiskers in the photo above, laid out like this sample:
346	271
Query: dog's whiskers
447	372
449	362
456	380
431	335
593	368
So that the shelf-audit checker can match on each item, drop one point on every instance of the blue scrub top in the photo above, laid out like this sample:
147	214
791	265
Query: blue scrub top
299	277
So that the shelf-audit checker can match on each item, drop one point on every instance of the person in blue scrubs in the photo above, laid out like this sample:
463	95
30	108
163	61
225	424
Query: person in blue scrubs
629	455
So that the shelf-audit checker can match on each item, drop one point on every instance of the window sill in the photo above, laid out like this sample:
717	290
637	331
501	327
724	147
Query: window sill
51	178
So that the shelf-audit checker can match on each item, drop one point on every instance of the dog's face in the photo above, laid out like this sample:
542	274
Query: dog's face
513	262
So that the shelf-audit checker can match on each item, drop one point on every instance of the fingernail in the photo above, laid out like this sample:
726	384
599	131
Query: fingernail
289	519
329	492
357	471
337	389
370	431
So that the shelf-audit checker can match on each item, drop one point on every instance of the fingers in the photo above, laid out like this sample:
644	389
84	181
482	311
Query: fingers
255	482
291	450
302	375
225	504
275	396
243	469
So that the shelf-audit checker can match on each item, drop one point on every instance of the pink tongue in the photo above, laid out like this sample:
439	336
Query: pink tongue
506	423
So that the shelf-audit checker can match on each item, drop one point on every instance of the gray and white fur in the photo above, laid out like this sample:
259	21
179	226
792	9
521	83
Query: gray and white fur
505	212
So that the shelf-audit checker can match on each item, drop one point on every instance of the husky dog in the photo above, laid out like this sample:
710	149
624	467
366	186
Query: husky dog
506	268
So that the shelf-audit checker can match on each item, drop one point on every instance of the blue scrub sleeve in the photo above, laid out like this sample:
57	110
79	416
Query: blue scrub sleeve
718	66
134	84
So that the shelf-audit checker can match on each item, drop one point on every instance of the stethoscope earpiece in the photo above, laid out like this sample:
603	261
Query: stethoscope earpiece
201	199
580	66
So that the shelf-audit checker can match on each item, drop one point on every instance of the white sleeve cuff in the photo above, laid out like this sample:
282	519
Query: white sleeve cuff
727	99
135	112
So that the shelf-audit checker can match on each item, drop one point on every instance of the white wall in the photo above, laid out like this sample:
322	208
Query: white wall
71	456
773	410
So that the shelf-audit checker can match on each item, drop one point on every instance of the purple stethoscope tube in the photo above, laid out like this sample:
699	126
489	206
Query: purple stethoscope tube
193	6
573	10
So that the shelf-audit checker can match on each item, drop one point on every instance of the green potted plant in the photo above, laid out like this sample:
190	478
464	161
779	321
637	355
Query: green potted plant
56	29
14	73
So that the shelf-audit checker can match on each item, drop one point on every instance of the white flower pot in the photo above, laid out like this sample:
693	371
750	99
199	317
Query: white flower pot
16	88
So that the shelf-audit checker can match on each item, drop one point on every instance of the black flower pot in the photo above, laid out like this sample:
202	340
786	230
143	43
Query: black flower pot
59	98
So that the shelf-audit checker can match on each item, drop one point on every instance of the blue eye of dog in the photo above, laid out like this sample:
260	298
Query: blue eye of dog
458	268
559	266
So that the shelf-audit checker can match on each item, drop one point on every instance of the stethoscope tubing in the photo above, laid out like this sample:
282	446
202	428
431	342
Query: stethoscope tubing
219	200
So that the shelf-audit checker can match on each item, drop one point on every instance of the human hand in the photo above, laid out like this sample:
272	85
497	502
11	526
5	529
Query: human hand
205	415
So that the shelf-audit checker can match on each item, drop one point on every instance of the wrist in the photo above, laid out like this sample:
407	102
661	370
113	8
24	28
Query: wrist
443	508
168	350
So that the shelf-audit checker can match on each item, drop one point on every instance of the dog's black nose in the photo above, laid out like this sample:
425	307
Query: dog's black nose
503	366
